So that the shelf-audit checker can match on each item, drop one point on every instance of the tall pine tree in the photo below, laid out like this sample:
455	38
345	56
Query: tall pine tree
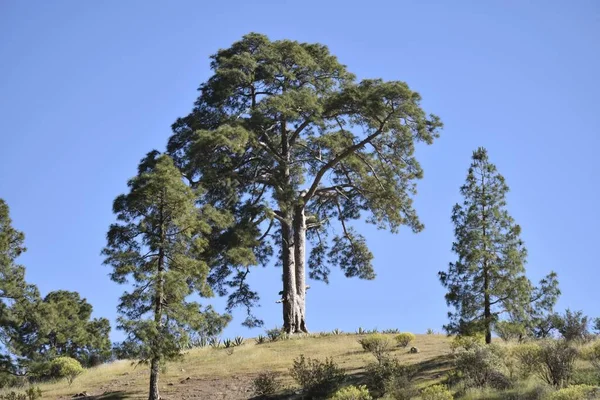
488	279
158	246
13	287
287	139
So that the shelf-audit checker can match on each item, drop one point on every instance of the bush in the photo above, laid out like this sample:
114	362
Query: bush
576	392
275	334
32	393
572	326
481	366
65	367
557	362
379	345
508	330
389	375
317	377
528	359
592	354
404	338
266	384
466	342
436	392
352	393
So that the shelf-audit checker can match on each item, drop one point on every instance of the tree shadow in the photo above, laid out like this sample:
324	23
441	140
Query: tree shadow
120	395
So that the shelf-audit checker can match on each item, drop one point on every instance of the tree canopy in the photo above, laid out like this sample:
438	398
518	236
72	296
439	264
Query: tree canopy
158	247
488	279
285	138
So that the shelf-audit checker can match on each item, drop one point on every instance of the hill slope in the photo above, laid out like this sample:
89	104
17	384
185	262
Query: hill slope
209	373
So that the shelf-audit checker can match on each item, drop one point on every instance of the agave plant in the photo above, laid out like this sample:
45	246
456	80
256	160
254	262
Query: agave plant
336	331
238	341
214	342
360	331
228	343
275	334
260	339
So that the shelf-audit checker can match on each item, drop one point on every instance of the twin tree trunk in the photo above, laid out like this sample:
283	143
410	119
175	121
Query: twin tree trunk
294	282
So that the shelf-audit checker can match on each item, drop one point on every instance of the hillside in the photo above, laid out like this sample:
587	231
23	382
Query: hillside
208	373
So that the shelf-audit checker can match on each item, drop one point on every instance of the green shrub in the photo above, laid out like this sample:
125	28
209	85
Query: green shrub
379	345
275	334
508	330
266	384
352	393
557	362
572	326
585	376
65	367
466	342
481	365
576	392
436	392
315	377
388	375
592	354
32	393
527	356
404	338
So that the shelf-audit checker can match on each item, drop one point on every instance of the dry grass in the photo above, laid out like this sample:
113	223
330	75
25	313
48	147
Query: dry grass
121	380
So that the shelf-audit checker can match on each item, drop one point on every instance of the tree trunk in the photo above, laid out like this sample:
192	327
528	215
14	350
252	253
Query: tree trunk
487	309
289	278
300	261
158	303
154	370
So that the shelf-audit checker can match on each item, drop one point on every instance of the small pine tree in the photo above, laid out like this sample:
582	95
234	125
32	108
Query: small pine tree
158	244
489	276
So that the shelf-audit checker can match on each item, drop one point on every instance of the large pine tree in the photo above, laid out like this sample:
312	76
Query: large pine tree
158	246
13	287
488	278
287	139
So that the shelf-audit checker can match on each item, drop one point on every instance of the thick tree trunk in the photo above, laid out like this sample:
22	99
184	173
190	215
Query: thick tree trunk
154	370
300	261
289	278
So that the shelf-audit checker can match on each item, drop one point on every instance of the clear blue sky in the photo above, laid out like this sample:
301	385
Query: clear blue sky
87	88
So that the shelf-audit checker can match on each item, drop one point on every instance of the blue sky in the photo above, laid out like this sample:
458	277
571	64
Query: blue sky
87	88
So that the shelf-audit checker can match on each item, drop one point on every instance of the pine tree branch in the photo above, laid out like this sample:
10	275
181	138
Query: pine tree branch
348	151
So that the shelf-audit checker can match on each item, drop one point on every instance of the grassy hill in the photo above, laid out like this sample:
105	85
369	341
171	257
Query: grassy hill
209	373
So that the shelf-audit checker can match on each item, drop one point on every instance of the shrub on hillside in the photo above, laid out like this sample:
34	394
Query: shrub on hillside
32	393
436	392
592	354
508	330
352	393
275	334
389	375
379	345
527	356
65	367
556	362
266	384
572	326
403	339
481	365
575	392
466	342
315	377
